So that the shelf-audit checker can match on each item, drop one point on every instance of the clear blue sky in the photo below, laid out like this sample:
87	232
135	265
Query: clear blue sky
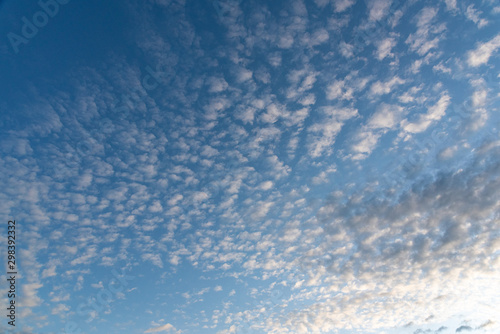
186	166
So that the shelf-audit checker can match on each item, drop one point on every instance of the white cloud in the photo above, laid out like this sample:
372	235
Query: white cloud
216	85
391	242
174	260
30	296
164	328
381	88
321	3
451	5
291	235
215	107
185	186
285	41
365	143
342	5
428	34
200	196
243	75
323	134
479	98
320	36
384	48
49	272
434	114
346	50
483	52
175	199
156	207
337	90
378	9
273	112
275	59
266	185
386	118
472	14
441	68
154	258
60	308
246	115
426	16
409	96
261	209
97	285
308	100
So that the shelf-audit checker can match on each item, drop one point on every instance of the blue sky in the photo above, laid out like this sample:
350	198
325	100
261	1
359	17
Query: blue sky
326	166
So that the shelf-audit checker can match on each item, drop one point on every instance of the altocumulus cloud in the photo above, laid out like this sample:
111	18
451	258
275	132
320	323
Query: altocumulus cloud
261	166
164	328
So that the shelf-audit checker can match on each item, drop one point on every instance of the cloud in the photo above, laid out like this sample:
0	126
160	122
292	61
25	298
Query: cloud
291	235
342	5
323	134
384	48
217	85
434	114
382	88
483	52
346	50
285	41
378	9
261	210
337	90
49	272
463	328
227	168
472	14
164	328
320	36
243	75
390	243
428	34
386	118
486	324
451	5
266	185
30	296
154	258
308	100
60	308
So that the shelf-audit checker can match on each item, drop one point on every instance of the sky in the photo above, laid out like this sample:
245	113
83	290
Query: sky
298	166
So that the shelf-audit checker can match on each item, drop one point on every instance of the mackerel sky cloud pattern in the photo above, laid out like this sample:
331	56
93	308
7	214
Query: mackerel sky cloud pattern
230	167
